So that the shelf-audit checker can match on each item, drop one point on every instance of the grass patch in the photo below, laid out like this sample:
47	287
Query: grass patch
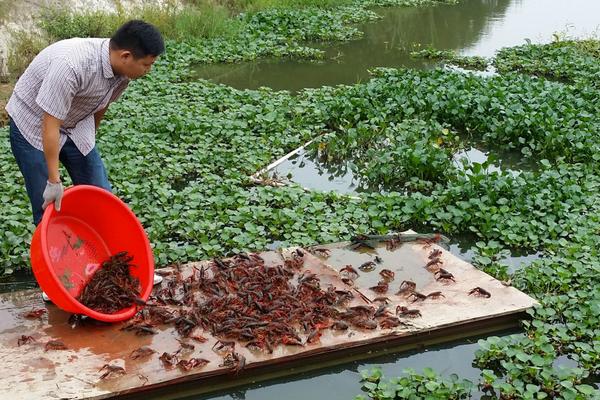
590	46
201	21
61	24
197	19
179	24
238	6
24	47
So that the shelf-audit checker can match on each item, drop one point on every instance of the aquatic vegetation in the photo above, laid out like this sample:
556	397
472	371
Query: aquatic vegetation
562	60
451	57
413	385
411	154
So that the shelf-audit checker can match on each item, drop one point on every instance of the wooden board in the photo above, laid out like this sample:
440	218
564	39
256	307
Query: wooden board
32	372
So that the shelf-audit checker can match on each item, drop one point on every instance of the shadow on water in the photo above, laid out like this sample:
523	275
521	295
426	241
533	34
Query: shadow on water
20	280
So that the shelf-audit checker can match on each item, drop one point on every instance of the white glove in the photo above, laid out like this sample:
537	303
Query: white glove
53	193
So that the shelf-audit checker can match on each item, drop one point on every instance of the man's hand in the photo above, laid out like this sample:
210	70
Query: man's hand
53	194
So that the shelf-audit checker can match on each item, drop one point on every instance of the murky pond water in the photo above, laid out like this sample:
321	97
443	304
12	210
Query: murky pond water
472	27
343	382
462	247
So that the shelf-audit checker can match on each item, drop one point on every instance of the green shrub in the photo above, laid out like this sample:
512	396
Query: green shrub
24	47
62	24
177	24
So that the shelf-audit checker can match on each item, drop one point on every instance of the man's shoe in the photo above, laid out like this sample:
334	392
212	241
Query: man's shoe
157	279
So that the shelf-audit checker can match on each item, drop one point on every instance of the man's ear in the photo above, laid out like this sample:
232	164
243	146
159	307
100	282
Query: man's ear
125	55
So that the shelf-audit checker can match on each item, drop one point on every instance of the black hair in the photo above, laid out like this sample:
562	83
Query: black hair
139	37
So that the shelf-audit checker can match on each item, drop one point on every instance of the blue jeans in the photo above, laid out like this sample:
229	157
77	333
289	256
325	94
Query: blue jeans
83	170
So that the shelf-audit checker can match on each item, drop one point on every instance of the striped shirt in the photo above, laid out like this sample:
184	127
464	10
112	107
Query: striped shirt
71	80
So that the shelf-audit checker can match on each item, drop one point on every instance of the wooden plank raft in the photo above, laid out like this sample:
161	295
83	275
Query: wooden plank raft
34	370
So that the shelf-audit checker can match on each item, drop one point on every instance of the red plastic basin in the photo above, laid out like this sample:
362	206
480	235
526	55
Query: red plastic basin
69	246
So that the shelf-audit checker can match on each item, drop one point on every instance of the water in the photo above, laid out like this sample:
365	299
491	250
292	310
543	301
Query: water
473	27
498	161
343	381
462	245
386	43
304	169
538	21
307	172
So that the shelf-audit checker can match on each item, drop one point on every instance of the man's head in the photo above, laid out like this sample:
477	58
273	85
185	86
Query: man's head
134	47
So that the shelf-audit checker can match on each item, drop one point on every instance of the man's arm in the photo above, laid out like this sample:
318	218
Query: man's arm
50	135
98	116
54	97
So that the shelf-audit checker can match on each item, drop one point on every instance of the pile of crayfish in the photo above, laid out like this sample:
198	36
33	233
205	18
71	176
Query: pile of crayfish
242	300
112	287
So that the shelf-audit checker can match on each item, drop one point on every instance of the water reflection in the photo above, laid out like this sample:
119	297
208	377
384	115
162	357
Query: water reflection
307	171
473	155
538	21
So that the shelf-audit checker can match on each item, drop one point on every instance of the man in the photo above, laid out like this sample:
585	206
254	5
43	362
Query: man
59	101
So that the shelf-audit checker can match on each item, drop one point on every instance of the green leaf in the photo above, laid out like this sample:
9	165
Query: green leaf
586	389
